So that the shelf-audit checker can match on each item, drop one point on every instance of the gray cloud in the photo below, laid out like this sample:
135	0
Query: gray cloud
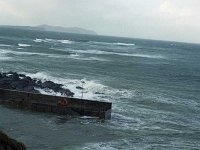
176	20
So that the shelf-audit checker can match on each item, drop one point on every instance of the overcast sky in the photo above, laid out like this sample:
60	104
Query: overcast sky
174	20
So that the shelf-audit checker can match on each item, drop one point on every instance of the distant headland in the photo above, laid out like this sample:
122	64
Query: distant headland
76	30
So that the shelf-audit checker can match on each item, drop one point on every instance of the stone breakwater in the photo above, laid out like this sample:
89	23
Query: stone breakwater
21	82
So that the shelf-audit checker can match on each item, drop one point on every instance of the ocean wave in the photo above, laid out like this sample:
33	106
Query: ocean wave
70	55
38	40
49	92
109	145
66	41
53	41
21	53
24	45
4	58
145	56
89	58
124	44
99	52
29	53
117	44
95	90
5	45
92	89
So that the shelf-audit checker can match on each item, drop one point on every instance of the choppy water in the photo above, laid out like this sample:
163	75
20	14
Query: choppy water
154	87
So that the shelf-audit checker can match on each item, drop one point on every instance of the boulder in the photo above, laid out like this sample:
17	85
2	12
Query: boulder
15	81
7	143
79	88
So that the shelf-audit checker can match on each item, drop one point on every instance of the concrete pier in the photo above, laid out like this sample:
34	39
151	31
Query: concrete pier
55	104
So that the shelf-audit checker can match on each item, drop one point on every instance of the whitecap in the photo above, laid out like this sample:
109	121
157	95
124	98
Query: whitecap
38	40
145	56
66	41
89	58
31	53
3	56
49	92
24	45
5	45
124	44
53	41
109	145
117	44
99	52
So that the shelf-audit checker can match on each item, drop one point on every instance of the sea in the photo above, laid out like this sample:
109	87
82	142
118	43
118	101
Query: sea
154	87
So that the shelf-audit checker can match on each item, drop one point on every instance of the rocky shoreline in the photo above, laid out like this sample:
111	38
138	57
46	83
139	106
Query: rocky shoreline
7	143
21	82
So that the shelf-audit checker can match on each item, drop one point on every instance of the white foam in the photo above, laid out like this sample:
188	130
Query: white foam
99	52
53	41
49	92
124	44
31	53
145	56
5	45
38	40
70	56
109	145
24	45
90	87
89	58
65	41
3	56
117	44
98	146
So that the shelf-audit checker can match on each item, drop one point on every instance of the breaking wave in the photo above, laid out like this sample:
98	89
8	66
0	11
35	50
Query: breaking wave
99	52
24	45
5	45
69	55
109	145
33	53
90	58
3	56
92	89
117	44
53	41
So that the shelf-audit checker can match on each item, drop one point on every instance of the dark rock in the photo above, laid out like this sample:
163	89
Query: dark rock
6	143
79	88
98	93
51	85
66	92
38	82
15	81
48	84
28	79
14	76
22	75
29	89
